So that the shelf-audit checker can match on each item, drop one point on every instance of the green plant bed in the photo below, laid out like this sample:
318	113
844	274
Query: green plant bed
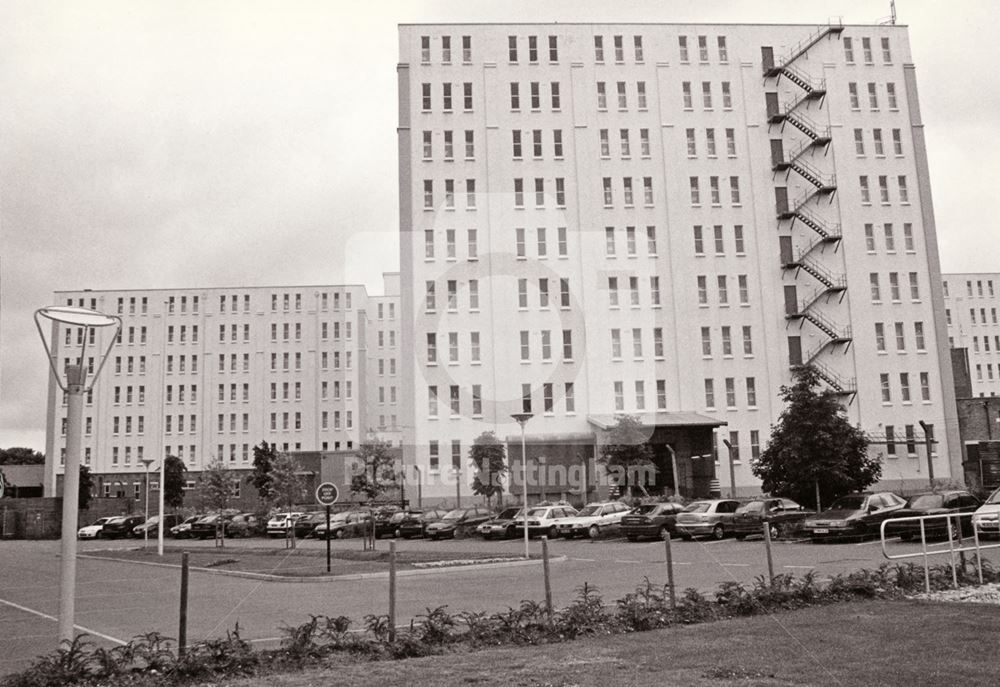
328	641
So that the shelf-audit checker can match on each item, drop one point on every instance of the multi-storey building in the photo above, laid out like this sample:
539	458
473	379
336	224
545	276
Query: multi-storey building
205	374
971	302
662	220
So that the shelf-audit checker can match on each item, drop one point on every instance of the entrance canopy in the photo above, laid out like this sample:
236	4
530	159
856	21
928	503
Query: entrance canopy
678	420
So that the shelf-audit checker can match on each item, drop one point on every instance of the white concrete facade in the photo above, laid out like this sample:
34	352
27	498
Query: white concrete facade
589	212
971	301
208	373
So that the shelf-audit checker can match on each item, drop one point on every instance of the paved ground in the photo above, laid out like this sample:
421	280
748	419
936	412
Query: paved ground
116	601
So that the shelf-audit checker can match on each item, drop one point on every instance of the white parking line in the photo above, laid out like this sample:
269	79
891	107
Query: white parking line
54	619
799	567
586	560
735	565
623	561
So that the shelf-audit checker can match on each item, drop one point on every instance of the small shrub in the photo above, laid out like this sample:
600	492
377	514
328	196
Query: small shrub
693	607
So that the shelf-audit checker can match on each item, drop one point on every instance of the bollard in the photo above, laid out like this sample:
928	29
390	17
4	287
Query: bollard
392	591
545	572
767	547
670	573
182	630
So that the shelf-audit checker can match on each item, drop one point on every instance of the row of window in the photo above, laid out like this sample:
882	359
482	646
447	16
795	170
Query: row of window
445	47
453	348
449	194
982	316
447	96
874	280
722	289
232	303
989	371
986	344
707	102
905	393
878	143
978	291
899	334
730	389
127	396
726	337
711	150
718	238
634	300
889	237
720	45
909	439
883	189
382	366
386	395
854	96
866	50
714	191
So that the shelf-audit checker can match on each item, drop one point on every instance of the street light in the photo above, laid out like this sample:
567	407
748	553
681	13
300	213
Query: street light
146	462
75	387
522	419
732	470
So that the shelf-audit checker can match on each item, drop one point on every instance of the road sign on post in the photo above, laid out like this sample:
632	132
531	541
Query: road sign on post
327	495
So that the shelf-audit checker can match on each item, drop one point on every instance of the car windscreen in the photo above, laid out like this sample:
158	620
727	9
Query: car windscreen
538	512
698	507
752	507
509	514
994	497
645	510
849	503
454	515
926	501
588	510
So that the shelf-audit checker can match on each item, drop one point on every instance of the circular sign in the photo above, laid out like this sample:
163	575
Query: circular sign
327	494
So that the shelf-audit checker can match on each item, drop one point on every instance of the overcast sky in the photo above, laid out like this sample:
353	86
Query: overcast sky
202	144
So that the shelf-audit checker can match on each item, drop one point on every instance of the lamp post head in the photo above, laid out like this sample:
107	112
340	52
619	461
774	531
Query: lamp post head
147	462
77	317
522	418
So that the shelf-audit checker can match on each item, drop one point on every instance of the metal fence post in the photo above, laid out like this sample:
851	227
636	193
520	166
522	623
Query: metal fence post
767	547
182	629
670	573
392	591
545	572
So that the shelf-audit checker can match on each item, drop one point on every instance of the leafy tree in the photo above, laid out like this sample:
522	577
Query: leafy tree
261	479
173	481
19	455
814	447
489	456
625	450
375	470
217	482
85	489
286	484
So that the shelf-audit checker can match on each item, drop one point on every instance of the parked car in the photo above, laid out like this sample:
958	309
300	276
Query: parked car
987	517
713	518
93	530
544	519
279	523
387	524
305	525
460	517
957	502
243	525
342	524
415	524
183	530
593	519
854	515
120	526
651	520
208	526
500	526
783	516
153	525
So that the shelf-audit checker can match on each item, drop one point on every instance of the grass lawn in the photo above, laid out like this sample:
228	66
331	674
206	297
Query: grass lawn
294	562
888	643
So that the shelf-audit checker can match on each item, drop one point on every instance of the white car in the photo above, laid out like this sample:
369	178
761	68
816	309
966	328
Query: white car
281	523
986	519
92	531
544	519
593	519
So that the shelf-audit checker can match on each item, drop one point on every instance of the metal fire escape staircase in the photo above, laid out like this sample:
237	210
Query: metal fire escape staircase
813	136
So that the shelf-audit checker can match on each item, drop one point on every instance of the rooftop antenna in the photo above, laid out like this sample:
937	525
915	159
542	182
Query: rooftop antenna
892	12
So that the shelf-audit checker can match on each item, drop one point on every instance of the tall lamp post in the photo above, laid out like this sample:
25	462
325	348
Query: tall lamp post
146	462
732	469
75	386
522	419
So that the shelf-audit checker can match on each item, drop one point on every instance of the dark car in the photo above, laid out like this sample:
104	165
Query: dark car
651	520
502	525
387	523
121	526
183	530
960	503
854	515
416	524
243	525
305	525
153	525
466	518
785	517
208	525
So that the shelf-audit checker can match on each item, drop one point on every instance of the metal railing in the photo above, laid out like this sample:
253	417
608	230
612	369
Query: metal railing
952	550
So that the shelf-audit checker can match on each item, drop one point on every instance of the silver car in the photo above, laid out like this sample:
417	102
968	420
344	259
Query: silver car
711	518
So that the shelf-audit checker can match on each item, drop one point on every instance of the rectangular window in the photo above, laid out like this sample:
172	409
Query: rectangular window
859	142
602	96
425	92
522	293
467	103
548	401
692	144
616	344
848	49
925	386
640	395
706	341
686	95
890	89
598	48
619	393
525	346
890	238
872	96
525	398
897	142
446	97
622	96
703	48
535	90
883	189
431	348
727	96
900	336
866	49
555	96
640	94
918	334
608	197
904	192
730	392
561	242
627	189
553	48
734	190
706	94
747	340
876	290
702	290
880	337
567	344
515	95
699	241
532	48
722	283
661	394
865	191
751	392
709	393
619	48
654	291
569	397
682	44
564	293
713	188
904	387
637	46
877	139
518	193
727	341
512	48
852	92
886	391
557	143
695	191
894	286
658	342
914	286
886	52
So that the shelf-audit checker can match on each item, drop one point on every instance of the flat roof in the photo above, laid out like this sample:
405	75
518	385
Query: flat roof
681	418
